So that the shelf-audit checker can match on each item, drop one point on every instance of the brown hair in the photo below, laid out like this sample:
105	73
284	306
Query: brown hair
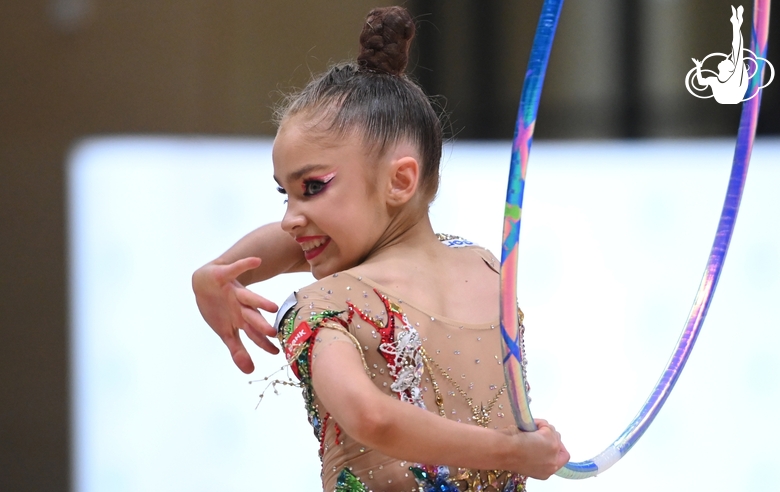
375	97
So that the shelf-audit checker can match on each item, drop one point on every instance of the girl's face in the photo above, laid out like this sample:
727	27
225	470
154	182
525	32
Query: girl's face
335	208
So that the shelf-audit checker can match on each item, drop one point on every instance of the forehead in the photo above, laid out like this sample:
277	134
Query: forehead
319	129
299	145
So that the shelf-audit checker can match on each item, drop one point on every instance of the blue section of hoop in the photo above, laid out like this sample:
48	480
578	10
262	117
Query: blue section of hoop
529	103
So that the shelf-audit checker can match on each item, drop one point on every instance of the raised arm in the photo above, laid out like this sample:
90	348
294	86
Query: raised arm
224	302
701	80
279	251
736	37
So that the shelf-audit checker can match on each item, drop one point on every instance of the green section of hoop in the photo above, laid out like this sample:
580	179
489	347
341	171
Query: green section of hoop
513	211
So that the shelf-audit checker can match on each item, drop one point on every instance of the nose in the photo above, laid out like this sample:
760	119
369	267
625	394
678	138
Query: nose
293	219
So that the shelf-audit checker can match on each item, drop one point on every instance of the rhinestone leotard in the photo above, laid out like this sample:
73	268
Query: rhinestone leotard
406	352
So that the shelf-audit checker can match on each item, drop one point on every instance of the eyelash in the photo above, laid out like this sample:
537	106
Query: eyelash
283	192
323	183
309	182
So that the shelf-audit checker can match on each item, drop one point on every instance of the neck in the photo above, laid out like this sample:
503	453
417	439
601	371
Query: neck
403	237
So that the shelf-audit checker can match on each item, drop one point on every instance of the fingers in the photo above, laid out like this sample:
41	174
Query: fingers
243	265
228	306
238	352
251	321
255	322
250	299
563	456
262	341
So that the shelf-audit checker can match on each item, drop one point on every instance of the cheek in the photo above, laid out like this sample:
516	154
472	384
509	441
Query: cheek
352	235
361	219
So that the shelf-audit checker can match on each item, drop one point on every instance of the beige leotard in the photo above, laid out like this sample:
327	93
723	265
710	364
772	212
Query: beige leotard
451	368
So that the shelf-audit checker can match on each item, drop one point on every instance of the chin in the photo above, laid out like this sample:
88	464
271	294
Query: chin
324	269
321	271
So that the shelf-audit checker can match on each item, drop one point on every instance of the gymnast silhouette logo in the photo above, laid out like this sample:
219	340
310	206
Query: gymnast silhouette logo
730	84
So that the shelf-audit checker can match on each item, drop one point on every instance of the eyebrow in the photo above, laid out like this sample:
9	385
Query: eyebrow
296	175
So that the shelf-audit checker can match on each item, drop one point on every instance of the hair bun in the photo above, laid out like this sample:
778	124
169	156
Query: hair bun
385	40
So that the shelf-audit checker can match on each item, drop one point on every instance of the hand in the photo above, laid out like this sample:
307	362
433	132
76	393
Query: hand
541	452
227	306
549	432
697	62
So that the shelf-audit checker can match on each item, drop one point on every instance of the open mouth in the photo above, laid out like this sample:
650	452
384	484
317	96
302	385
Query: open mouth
312	247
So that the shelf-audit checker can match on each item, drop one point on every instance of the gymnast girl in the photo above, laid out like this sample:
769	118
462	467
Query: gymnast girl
730	85
396	345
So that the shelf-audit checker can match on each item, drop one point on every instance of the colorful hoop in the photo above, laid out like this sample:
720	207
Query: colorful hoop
521	147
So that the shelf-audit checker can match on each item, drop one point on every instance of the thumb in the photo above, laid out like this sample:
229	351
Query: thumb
240	266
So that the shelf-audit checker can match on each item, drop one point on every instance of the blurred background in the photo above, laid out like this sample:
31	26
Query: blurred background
72	69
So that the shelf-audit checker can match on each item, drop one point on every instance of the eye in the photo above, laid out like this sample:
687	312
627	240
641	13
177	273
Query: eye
314	186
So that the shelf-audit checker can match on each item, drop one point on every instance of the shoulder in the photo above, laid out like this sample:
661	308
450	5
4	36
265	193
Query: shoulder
305	312
489	258
453	241
328	294
326	286
468	247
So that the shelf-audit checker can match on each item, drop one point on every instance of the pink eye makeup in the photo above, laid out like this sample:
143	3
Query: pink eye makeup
317	184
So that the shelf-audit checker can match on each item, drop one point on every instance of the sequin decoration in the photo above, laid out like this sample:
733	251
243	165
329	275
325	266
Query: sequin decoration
401	349
299	358
395	359
441	479
406	351
347	482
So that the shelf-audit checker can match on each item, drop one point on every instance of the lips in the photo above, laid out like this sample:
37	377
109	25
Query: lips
313	245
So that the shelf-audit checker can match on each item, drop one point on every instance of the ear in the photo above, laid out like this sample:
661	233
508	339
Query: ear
404	176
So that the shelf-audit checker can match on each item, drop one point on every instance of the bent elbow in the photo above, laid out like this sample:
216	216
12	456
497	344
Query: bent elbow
371	424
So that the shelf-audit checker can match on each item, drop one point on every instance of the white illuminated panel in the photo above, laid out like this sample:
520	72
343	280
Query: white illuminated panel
614	241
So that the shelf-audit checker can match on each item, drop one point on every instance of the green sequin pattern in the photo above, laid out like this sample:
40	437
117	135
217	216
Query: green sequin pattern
347	482
302	362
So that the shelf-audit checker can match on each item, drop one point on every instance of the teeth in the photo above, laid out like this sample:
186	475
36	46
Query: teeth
309	245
